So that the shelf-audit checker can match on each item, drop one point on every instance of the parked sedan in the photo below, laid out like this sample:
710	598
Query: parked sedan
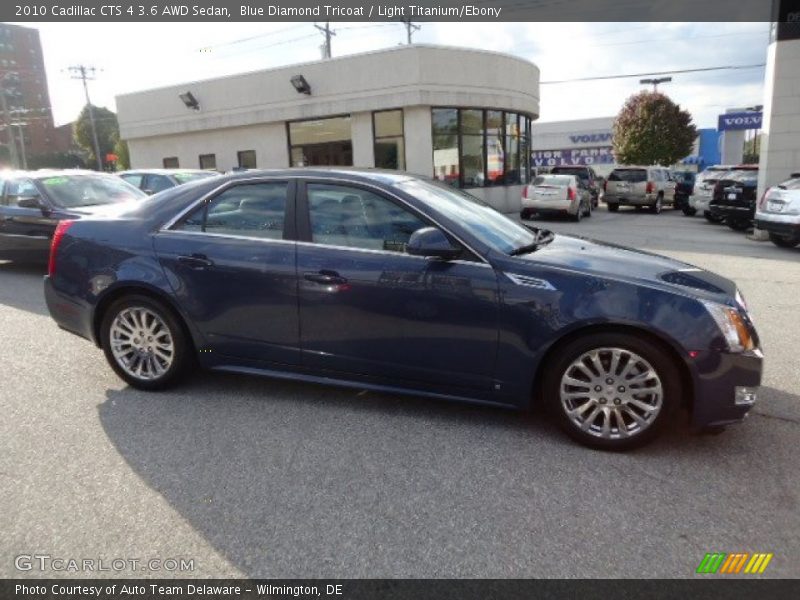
734	199
152	181
779	213
557	194
33	202
385	281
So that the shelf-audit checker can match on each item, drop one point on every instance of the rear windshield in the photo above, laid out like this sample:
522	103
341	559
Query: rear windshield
743	176
552	180
629	175
791	184
579	171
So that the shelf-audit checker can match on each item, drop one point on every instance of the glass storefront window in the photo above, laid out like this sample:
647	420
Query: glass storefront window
321	142
389	142
475	147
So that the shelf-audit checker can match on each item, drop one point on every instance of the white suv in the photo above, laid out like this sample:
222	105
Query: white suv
704	189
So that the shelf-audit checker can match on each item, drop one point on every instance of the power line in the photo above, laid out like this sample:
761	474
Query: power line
674	72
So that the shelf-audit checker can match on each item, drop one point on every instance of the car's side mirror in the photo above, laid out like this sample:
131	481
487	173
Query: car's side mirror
31	202
431	242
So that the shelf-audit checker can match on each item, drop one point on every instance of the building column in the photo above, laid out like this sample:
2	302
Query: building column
417	130
363	141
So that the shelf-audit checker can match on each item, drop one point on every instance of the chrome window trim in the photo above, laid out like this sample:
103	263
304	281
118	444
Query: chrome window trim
167	227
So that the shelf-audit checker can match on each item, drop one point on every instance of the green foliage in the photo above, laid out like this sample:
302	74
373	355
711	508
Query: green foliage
752	150
107	132
652	130
123	156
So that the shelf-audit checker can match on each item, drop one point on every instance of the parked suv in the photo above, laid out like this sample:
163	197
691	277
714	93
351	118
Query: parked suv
734	199
585	175
704	189
779	213
639	187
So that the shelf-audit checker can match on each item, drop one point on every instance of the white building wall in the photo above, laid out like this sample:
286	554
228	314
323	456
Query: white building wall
363	140
780	138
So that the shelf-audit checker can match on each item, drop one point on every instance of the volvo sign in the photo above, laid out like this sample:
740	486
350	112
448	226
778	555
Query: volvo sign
738	121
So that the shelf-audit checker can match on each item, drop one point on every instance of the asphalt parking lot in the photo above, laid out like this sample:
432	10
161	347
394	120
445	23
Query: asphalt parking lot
262	478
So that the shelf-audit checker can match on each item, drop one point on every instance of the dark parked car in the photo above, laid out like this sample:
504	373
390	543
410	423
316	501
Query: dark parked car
684	185
734	199
152	181
586	175
386	281
33	202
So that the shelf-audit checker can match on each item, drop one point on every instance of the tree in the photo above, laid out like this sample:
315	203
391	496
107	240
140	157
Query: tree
107	132
652	130
56	160
123	156
752	150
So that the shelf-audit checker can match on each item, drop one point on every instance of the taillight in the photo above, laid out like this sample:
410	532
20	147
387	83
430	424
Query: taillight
763	199
570	193
61	229
651	187
525	191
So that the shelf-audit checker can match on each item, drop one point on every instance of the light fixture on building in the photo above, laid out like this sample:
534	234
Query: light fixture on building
189	100
301	85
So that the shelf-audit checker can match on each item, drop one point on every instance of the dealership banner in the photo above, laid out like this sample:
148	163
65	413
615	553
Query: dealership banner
700	586
595	155
739	121
366	10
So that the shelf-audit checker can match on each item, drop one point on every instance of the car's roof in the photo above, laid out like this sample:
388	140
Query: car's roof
384	176
163	171
45	173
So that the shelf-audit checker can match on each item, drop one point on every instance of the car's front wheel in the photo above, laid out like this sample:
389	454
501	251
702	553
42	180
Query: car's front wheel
689	211
612	391
144	342
613	207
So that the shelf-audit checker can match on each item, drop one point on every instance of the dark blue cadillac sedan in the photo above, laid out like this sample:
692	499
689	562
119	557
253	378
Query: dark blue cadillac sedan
386	281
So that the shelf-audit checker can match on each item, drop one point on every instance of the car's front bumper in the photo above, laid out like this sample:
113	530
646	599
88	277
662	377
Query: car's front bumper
726	386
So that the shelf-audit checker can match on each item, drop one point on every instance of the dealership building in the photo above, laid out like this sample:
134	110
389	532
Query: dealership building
462	116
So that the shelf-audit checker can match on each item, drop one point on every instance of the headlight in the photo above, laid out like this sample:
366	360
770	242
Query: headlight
731	324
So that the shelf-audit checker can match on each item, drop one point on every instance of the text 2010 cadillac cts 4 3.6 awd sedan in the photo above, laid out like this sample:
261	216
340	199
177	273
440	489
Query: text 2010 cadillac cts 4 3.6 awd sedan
386	281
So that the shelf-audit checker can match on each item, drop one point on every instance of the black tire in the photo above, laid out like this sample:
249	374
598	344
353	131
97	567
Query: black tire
525	213
181	354
689	211
658	358
783	241
738	224
578	215
589	210
711	218
656	207
613	207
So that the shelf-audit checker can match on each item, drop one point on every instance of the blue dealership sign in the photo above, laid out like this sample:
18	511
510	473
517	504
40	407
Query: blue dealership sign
738	121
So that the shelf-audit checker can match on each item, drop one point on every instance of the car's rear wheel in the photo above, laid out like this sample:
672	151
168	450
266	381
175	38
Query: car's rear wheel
689	211
784	241
144	342
712	218
578	213
612	207
612	391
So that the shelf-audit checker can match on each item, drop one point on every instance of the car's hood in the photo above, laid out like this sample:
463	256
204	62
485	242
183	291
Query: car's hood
619	262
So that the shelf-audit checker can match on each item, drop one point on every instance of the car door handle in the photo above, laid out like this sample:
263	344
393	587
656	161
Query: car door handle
196	261
325	278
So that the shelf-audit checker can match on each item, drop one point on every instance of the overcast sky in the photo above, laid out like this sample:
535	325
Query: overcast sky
137	56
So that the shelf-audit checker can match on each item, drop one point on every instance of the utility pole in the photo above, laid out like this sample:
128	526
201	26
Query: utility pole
327	32
12	143
85	73
21	126
656	81
410	28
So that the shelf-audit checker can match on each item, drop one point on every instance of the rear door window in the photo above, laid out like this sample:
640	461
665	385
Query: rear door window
247	210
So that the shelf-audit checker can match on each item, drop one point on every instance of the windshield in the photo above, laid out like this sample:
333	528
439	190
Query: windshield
492	227
562	181
73	191
578	171
184	177
629	175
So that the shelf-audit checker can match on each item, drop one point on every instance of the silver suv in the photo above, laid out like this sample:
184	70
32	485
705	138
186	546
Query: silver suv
639	186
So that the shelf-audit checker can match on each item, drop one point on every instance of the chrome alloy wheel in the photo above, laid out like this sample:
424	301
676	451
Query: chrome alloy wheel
611	393
141	343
